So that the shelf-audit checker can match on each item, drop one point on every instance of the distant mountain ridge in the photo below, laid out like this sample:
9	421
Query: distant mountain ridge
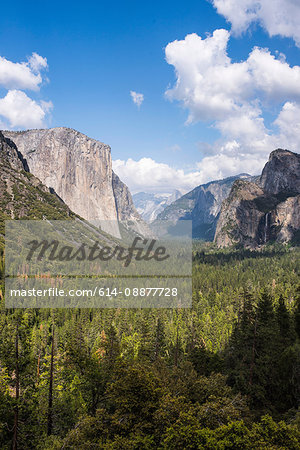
201	205
150	205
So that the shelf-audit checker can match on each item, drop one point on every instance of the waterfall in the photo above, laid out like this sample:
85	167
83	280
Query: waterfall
266	227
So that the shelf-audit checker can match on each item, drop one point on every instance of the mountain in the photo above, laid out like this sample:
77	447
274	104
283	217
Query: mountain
22	195
269	210
126	212
281	173
79	170
150	205
201	205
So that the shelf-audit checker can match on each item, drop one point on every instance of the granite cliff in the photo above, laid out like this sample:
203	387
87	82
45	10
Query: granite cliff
281	173
22	195
79	170
255	214
202	206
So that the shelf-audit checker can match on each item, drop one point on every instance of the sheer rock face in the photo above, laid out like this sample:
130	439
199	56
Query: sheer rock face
254	214
286	218
126	212
281	173
239	218
201	205
79	170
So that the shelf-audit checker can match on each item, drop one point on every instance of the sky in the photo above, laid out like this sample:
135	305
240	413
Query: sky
183	93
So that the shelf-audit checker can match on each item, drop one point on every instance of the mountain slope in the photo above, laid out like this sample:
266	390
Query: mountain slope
201	205
79	170
22	195
126	212
254	214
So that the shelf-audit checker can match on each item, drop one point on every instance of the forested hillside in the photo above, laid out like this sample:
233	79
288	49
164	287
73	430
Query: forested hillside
222	374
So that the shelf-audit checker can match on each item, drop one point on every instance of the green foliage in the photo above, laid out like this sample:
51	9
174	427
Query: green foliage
221	374
187	434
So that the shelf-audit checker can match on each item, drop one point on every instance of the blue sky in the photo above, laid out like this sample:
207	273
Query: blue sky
97	52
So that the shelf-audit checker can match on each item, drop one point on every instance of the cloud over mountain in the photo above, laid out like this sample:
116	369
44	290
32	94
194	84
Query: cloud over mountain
234	97
17	109
148	175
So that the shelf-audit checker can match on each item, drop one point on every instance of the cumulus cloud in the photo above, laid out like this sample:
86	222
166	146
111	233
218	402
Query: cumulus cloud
37	62
211	86
24	75
137	98
147	175
17	109
22	111
234	97
277	17
151	176
288	122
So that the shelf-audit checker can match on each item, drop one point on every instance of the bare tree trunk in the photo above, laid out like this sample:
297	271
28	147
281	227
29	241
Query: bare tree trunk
50	398
16	411
253	354
38	366
176	348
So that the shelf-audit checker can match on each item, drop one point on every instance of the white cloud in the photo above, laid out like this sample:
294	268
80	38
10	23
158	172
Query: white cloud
17	110
273	77
22	111
150	176
277	17
234	97
225	164
37	62
24	75
211	86
288	122
137	98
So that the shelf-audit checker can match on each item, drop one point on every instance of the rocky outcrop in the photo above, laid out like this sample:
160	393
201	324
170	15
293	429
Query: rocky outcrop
202	206
79	170
126	212
281	173
22	195
9	154
255	214
286	219
240	216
